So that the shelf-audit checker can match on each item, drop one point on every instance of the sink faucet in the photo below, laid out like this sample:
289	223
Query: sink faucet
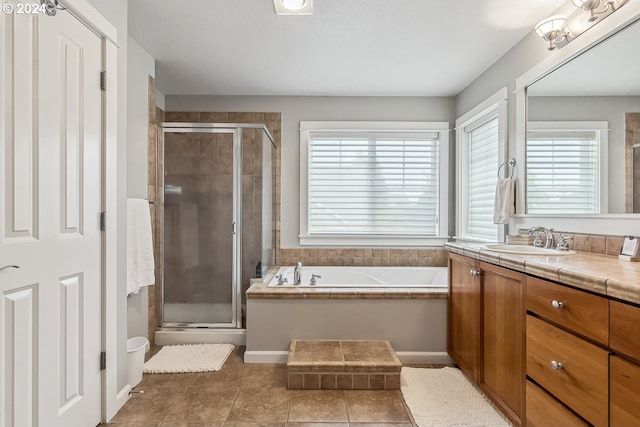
548	232
297	273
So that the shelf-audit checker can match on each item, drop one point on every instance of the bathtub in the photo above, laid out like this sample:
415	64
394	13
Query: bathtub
365	277
405	305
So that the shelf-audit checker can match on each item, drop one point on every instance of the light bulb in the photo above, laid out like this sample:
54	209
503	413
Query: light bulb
293	4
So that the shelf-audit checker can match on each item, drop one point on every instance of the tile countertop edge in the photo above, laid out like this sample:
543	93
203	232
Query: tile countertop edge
616	279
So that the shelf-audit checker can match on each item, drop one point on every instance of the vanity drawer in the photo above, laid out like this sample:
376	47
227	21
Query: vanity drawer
579	311
545	411
582	382
625	329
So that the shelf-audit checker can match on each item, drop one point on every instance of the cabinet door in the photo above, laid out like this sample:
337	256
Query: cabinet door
624	393
464	315
503	339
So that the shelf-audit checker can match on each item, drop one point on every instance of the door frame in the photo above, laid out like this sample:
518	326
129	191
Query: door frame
112	296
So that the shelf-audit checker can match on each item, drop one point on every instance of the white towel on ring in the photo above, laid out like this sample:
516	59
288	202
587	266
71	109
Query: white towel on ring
504	205
140	264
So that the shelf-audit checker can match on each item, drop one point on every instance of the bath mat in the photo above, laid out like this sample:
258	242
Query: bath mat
173	359
444	397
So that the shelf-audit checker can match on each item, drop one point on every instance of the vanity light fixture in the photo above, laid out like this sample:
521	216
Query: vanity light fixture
593	5
293	7
553	29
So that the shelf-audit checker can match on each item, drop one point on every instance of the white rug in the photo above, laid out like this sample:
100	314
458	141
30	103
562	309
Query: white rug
188	358
444	397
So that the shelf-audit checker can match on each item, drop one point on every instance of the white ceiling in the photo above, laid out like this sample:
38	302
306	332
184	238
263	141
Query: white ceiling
346	48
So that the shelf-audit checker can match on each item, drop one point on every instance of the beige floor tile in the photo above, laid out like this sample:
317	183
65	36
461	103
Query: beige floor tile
317	424
376	406
318	406
190	424
270	405
134	424
265	376
153	405
167	380
251	424
205	406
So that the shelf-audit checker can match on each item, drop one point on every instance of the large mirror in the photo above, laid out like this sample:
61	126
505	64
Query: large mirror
583	132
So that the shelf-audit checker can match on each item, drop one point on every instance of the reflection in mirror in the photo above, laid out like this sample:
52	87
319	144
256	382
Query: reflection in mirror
574	166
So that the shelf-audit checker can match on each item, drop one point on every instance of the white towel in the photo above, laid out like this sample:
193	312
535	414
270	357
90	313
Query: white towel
140	265
504	205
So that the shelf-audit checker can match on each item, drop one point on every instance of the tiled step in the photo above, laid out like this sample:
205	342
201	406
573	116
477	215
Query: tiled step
343	365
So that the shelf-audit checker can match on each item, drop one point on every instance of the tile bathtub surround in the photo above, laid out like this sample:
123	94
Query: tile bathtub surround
254	395
427	257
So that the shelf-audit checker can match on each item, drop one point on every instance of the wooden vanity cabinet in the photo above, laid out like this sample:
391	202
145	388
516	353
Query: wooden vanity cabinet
624	375
463	342
503	339
486	330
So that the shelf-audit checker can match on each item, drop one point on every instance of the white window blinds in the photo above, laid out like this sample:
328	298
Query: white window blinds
563	169
373	184
483	164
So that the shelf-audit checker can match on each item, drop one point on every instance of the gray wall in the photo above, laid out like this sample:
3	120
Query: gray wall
115	11
140	65
591	108
297	108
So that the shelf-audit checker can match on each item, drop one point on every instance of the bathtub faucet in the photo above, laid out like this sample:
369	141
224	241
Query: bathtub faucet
297	273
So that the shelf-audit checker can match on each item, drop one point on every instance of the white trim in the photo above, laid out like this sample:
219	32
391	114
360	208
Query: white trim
409	357
442	128
266	356
368	241
111	402
495	104
90	16
607	27
182	336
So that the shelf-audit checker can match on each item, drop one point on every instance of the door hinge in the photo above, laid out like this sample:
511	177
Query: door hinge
103	80
103	221
103	360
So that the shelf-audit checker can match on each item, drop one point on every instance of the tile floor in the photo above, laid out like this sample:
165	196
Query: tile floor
247	395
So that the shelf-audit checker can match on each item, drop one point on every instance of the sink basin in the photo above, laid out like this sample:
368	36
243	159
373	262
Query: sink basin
526	250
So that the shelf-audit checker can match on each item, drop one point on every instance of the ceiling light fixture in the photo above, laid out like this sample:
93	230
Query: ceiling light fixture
552	29
592	6
293	7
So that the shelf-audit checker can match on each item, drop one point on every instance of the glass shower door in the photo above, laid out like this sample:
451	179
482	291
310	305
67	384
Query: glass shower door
199	235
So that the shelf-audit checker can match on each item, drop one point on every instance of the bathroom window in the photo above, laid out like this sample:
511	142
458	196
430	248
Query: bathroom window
373	183
480	145
566	167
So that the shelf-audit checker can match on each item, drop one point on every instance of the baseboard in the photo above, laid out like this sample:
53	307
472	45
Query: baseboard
408	357
266	356
123	396
199	336
424	357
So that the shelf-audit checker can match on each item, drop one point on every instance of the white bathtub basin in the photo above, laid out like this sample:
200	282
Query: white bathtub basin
367	277
527	250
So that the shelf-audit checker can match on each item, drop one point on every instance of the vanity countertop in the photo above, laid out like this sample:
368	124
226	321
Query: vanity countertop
601	274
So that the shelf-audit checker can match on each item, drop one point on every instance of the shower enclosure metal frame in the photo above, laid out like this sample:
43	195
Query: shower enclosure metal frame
235	129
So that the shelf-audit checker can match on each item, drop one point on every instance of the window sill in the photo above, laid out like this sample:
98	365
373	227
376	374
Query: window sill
372	241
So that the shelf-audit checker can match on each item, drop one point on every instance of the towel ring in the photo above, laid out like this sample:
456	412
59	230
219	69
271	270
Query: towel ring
512	164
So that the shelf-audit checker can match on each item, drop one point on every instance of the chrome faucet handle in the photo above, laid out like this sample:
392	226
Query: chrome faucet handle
537	242
314	278
281	279
563	242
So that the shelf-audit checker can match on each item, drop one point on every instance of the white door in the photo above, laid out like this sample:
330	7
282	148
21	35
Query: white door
50	203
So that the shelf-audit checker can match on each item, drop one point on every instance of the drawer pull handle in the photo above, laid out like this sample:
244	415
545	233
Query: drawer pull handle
556	366
557	304
474	273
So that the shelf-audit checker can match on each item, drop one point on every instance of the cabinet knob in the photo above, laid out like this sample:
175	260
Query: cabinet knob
556	366
557	304
474	273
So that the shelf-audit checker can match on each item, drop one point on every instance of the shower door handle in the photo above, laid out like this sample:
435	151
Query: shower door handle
233	228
